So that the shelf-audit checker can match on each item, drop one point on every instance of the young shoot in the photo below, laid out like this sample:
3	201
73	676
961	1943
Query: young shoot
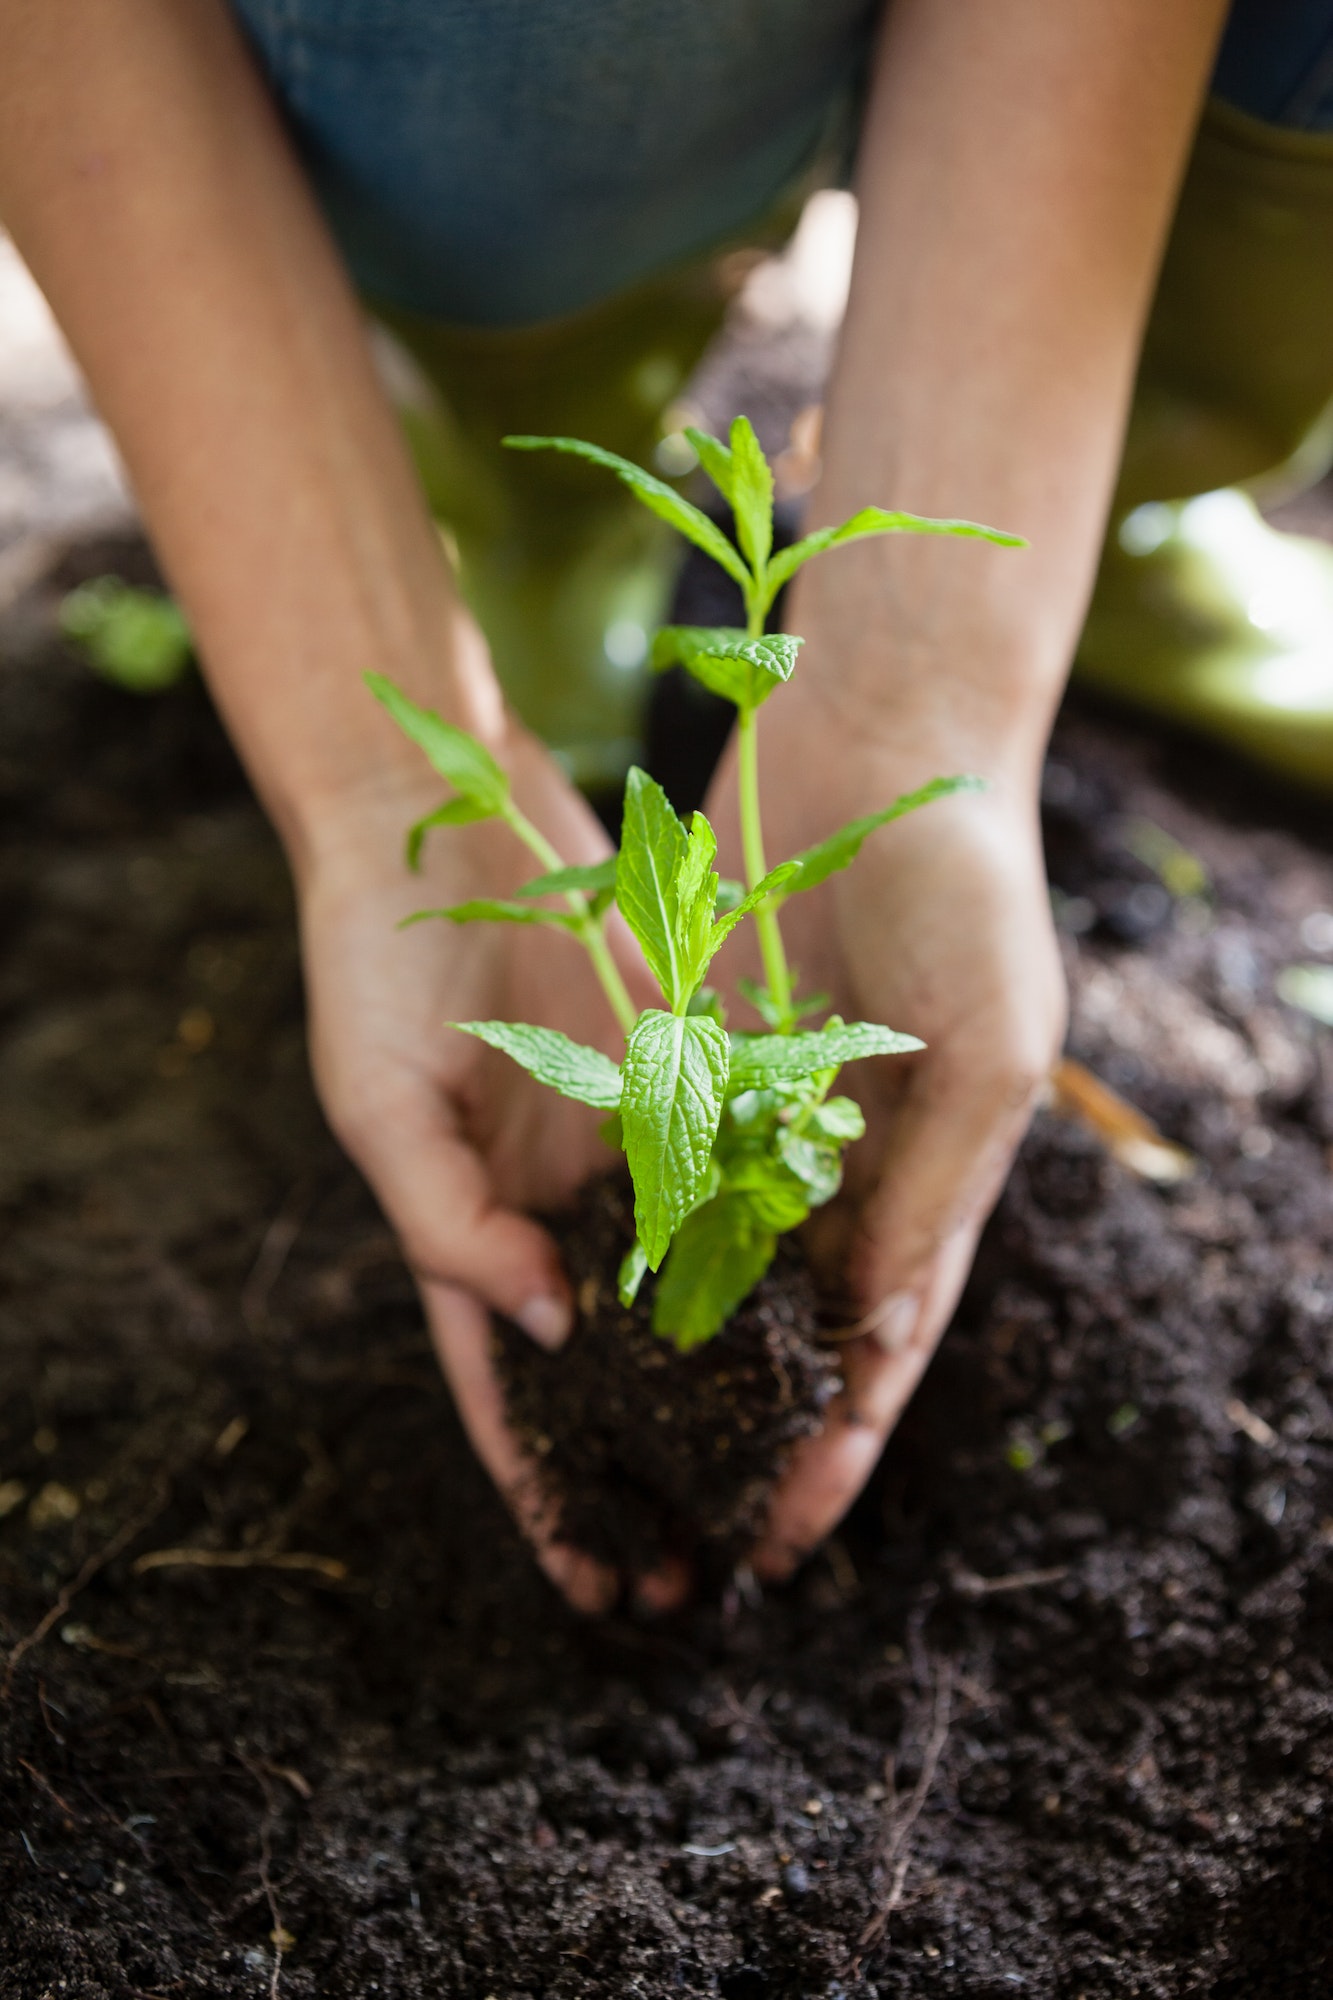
731	1138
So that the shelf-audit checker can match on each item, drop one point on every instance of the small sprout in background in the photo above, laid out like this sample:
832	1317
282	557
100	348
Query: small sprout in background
1310	989
1179	871
731	1139
1022	1452
137	639
1122	1421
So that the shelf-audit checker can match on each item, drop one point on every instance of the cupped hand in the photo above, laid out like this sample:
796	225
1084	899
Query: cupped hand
941	928
459	1144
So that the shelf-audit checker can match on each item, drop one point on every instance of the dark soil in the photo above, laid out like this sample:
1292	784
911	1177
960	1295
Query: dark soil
648	1452
1085	1611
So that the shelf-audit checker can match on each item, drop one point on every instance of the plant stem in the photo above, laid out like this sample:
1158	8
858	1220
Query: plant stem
756	867
591	935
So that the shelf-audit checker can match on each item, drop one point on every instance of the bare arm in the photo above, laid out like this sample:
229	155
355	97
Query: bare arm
146	178
1018	172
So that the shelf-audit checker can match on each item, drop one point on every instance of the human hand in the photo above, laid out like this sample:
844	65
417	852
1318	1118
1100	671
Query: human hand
458	1142
941	929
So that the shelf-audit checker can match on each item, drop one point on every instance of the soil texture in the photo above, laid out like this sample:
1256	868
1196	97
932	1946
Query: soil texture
287	1710
648	1452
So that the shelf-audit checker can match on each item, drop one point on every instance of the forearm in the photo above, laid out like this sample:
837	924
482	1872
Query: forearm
145	176
1017	176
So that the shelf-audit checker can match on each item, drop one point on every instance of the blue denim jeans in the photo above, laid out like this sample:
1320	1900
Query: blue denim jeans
500	162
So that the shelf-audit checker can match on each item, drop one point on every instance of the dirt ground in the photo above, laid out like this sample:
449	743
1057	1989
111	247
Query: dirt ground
1052	1717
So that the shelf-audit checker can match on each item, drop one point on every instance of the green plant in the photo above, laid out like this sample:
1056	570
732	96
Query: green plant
136	638
731	1139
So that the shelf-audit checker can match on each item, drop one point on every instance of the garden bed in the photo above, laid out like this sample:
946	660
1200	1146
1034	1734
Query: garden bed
1085	1611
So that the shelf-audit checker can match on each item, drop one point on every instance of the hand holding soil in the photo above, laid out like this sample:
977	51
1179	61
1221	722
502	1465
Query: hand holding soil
458	1143
943	928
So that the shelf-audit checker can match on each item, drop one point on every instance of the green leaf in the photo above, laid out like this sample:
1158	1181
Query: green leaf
818	1168
575	1071
757	1060
729	894
874	521
719	1255
714	457
492	910
137	639
727	661
769	1012
455	812
817	863
770	885
1309	987
653	845
466	763
660	499
778	1198
633	1267
674	1080
751	494
589	877
838	1119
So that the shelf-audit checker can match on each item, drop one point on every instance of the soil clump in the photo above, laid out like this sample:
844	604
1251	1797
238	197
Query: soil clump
648	1452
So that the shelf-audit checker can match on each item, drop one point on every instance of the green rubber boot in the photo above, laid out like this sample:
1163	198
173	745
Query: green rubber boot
1202	612
567	575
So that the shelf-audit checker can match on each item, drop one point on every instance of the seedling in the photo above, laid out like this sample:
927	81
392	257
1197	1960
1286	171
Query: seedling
731	1139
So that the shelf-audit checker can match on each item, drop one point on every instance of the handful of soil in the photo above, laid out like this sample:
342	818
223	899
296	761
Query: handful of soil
648	1452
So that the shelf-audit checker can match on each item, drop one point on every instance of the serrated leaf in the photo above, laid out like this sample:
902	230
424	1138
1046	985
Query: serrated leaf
727	661
827	857
652	850
659	498
466	763
777	1197
874	521
674	1080
589	877
838	1119
455	812
493	910
757	1060
729	894
719	1255
571	1068
769	1012
771	884
714	457
817	1167
751	494
633	1270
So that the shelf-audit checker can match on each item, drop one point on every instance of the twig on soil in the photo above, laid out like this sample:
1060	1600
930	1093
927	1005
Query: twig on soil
280	1936
328	1567
968	1584
120	1541
276	1248
895	1854
40	1779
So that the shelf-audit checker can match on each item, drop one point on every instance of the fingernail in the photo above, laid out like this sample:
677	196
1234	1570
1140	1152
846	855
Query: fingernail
548	1319
895	1321
586	1585
663	1589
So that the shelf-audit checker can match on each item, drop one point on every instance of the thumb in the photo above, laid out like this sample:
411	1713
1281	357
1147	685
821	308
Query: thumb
954	1135
437	1194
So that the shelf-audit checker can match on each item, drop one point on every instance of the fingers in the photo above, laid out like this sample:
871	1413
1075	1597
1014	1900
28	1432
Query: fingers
951	1146
460	1330
437	1194
828	1471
